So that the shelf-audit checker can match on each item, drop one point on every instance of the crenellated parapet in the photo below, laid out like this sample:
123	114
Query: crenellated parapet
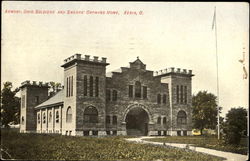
34	83
173	70
85	58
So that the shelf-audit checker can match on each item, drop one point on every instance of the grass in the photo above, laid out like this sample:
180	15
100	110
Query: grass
57	147
206	142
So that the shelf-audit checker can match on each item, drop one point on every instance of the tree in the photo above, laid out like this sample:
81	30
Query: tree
204	110
54	88
10	105
235	125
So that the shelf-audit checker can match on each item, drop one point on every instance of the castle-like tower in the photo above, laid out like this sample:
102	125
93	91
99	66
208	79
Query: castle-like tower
133	101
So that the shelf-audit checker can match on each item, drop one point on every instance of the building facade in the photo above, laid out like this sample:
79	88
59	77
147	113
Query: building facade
133	101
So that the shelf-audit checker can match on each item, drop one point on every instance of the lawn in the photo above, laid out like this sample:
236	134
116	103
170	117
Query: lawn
205	141
57	147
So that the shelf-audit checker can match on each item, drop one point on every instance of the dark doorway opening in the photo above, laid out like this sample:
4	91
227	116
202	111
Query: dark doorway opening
137	122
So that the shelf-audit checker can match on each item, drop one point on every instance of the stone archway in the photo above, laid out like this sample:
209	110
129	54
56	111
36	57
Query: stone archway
137	120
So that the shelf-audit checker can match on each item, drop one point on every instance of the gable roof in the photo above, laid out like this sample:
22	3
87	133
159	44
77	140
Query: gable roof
57	99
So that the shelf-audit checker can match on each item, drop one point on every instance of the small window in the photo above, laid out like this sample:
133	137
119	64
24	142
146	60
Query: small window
159	120
177	94
69	115
22	120
114	95
130	91
114	120
95	132
159	98
108	132
44	118
85	85
108	95
50	116
91	86
138	89
37	100
57	116
97	86
107	119
185	94
86	133
181	94
114	132
164	120
38	118
164	100
144	92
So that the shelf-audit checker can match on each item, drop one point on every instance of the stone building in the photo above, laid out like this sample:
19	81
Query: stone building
133	101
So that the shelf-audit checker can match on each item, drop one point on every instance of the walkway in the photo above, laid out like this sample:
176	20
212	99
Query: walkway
227	155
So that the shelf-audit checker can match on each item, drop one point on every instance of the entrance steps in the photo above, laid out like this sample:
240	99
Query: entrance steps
134	132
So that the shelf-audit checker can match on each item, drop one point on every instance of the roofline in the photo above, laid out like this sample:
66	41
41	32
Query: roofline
50	105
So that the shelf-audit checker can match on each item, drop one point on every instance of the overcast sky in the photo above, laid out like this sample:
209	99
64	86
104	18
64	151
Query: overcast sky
165	35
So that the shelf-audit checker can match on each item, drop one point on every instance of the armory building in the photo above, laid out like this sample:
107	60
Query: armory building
134	101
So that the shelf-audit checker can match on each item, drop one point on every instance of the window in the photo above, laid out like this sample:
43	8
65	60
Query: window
37	100
185	94
138	89
90	115
108	95
164	99
22	120
159	120
44	118
91	86
67	87
181	94
114	95
50	116
159	98
181	118
164	120
107	119
177	94
57	116
23	101
85	85
69	114
144	92
114	120
178	133
71	86
130	91
95	132
97	86
38	118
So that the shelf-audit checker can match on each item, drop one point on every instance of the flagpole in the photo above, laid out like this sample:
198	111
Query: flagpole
217	69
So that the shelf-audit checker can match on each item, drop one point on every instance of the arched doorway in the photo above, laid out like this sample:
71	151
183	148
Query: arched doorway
137	121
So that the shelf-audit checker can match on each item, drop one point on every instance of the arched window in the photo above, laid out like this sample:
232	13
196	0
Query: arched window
114	120
50	116
164	120
164	99
159	98
57	116
22	119
38	118
159	120
69	114
181	118
90	115
44	118
138	89
114	95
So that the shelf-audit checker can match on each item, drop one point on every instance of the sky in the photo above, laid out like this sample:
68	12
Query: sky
162	34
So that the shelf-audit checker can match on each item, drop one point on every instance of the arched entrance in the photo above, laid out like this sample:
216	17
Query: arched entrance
137	121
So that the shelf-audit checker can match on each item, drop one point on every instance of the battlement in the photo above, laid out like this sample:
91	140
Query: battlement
85	58
173	70
34	83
